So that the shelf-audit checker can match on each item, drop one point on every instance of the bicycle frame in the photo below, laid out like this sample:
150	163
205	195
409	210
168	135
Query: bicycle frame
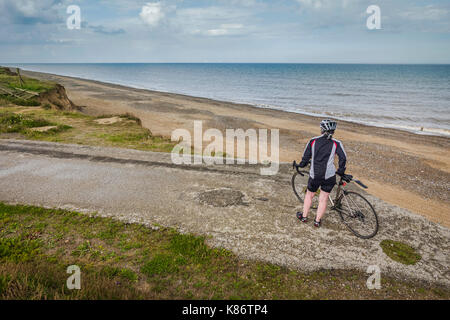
347	198
337	196
339	193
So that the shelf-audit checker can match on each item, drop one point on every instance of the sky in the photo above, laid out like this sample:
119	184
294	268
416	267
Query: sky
278	31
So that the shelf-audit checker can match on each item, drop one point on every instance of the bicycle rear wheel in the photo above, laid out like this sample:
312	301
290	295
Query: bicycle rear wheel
300	186
358	215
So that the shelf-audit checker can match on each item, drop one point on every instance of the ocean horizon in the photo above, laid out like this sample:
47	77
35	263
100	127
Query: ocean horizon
412	97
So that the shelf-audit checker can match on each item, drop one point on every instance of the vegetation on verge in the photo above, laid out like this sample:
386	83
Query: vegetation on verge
400	252
78	128
11	80
25	124
130	261
20	102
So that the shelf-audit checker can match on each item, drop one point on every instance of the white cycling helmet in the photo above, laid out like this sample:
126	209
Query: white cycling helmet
328	125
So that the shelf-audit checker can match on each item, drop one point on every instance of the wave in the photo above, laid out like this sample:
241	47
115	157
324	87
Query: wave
380	124
338	94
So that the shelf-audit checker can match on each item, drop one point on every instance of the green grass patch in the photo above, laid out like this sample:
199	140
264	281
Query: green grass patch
30	84
78	128
112	272
34	122
22	123
130	261
4	283
162	264
51	132
126	137
191	247
18	249
20	102
400	252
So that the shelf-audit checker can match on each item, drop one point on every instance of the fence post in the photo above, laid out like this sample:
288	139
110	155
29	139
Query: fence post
20	78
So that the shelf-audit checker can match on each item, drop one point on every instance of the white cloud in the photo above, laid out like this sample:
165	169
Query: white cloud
316	4
152	13
225	29
212	21
30	11
242	3
327	4
429	12
27	8
232	30
217	32
232	26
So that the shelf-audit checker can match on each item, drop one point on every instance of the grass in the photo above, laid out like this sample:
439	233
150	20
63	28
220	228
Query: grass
20	102
13	82
78	128
130	261
400	252
21	123
18	249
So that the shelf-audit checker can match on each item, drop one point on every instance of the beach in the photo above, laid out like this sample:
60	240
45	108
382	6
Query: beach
402	168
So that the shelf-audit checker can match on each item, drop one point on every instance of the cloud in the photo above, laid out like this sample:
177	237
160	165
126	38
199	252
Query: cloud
220	30
152	13
242	3
232	26
31	11
105	30
325	4
396	16
212	21
316	4
217	32
429	12
225	29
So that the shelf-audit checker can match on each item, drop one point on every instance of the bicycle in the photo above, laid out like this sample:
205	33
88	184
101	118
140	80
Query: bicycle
356	211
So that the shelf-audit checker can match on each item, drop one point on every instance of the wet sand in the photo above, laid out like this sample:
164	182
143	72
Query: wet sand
402	168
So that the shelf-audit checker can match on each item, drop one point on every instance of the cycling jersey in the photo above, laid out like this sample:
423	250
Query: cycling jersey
321	151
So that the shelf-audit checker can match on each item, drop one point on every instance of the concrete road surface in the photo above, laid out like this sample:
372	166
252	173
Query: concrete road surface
250	214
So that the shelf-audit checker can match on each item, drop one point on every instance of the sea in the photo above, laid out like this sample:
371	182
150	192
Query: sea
415	98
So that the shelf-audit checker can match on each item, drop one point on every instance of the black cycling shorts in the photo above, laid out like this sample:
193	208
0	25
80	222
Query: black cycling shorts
325	185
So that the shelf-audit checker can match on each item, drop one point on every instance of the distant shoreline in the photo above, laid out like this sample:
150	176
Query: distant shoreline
419	129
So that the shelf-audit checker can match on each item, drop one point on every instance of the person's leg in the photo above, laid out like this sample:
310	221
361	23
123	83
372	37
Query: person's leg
307	203
326	188
323	200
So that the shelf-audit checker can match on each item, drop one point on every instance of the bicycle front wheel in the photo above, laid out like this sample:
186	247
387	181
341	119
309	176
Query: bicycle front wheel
358	215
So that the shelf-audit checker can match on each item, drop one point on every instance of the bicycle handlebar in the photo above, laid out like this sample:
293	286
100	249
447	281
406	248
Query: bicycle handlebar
361	184
345	177
296	166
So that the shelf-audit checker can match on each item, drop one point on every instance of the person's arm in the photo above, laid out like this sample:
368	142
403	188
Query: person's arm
342	158
306	155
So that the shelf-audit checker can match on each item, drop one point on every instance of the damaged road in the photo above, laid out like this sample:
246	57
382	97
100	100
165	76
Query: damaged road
238	209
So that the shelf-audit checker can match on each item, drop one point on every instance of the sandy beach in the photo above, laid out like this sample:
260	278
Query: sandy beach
402	168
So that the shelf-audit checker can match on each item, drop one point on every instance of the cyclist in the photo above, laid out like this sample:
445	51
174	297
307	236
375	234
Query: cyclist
321	152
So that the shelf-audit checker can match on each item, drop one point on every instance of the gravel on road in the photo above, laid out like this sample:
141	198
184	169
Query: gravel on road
236	207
